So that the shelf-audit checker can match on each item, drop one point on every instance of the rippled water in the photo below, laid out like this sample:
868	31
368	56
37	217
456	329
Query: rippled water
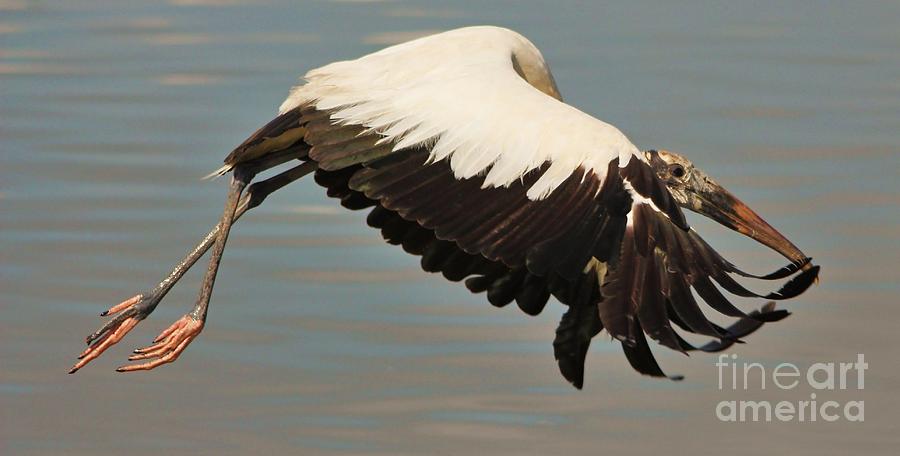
322	339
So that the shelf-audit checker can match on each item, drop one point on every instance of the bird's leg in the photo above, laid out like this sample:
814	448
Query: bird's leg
172	342
131	311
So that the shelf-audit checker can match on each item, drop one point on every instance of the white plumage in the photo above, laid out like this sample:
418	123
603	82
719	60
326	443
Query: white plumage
461	91
461	146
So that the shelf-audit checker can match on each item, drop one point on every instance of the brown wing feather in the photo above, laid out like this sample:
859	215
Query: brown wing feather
573	245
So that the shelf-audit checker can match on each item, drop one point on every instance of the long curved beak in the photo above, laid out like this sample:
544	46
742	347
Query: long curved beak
720	205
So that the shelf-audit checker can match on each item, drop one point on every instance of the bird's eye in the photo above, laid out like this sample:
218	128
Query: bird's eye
677	171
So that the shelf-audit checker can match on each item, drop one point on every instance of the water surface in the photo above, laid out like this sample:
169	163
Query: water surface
321	339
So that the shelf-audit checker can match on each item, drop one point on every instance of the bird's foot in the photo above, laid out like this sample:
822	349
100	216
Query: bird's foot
168	346
126	315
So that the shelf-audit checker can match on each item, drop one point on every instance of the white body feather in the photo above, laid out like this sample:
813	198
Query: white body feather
461	92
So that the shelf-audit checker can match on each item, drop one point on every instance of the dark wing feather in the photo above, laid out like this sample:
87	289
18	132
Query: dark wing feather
577	327
618	264
651	287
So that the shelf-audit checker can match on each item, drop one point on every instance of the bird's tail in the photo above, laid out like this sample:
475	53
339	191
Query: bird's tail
224	169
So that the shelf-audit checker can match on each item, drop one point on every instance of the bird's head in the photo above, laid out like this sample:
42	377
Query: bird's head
695	190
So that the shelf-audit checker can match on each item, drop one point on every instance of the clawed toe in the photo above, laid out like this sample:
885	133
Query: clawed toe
105	341
122	305
168	346
127	316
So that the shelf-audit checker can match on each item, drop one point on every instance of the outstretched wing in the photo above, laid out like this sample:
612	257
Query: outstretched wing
521	195
659	265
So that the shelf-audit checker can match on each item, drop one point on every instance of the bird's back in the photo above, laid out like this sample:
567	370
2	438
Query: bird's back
453	52
480	97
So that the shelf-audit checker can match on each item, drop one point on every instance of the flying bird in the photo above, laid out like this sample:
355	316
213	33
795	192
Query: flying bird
460	146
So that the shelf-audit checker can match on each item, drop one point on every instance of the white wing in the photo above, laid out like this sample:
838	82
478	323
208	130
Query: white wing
439	136
460	93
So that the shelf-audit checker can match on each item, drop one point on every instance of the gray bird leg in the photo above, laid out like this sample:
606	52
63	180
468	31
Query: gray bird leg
239	181
254	196
169	345
135	309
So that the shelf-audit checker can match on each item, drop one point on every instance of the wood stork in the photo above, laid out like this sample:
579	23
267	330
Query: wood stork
462	147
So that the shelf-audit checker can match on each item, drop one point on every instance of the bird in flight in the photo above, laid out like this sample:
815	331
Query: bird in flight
462	150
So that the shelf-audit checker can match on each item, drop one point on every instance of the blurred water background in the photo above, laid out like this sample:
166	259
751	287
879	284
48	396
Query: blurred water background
323	340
